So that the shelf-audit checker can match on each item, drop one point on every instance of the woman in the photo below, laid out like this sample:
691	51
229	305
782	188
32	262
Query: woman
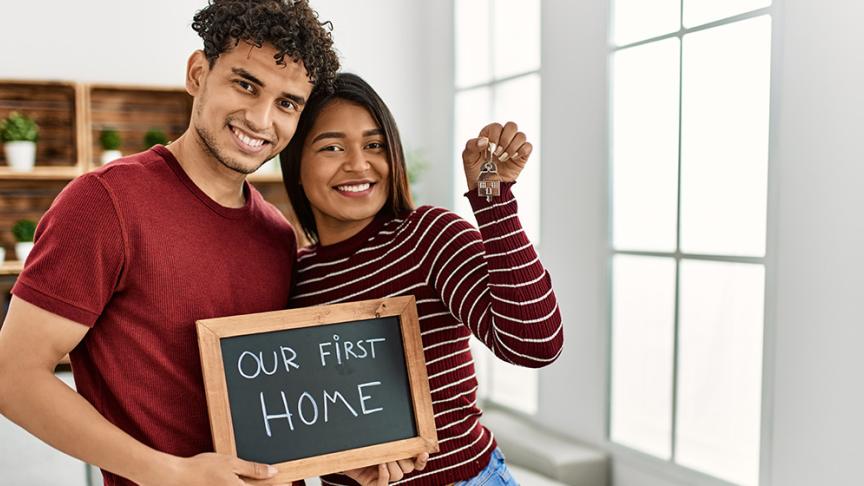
345	175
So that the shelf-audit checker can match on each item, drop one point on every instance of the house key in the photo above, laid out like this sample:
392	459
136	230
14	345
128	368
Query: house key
488	182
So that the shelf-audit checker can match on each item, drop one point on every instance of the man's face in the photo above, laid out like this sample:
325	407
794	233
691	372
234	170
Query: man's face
246	106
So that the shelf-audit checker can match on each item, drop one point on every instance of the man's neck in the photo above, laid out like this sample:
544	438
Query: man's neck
218	182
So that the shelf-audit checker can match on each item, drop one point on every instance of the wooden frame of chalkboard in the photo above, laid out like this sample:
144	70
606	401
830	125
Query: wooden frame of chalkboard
214	333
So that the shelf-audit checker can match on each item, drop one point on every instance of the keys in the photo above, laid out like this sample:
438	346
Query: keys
488	182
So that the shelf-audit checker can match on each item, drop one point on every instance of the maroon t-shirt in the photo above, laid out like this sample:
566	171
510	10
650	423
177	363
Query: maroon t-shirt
136	251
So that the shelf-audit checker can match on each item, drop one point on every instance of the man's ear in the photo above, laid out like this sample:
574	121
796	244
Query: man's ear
197	68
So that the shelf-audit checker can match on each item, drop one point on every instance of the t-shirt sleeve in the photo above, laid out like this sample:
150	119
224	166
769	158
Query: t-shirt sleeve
78	258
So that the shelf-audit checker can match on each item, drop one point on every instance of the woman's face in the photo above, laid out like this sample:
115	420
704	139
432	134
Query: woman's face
344	170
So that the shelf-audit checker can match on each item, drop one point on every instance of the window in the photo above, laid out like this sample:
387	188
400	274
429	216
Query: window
497	78
690	85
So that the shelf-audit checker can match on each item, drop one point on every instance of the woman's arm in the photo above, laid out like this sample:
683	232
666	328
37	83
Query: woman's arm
492	280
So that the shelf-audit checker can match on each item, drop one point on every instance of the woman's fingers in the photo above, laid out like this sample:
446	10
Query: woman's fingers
508	132
512	149
474	150
492	132
521	155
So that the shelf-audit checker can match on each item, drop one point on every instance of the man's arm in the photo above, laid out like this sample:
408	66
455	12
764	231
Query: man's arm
32	342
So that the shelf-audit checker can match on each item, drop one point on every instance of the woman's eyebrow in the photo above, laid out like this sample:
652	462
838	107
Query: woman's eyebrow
367	133
374	131
328	135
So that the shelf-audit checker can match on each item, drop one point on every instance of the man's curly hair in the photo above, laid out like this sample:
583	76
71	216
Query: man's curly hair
290	25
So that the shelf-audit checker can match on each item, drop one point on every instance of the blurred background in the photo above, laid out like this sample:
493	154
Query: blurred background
695	193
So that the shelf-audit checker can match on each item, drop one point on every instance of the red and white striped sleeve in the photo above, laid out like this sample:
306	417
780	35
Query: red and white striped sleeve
493	281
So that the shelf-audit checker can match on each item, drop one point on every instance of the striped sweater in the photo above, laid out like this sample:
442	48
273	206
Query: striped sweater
489	283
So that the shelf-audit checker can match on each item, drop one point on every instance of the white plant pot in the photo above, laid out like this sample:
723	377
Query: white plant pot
23	249
20	155
110	156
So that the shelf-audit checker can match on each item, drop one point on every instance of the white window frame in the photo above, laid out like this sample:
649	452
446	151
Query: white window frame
668	468
483	363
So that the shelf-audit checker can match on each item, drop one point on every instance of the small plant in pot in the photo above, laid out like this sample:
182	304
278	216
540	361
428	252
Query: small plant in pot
19	134
155	137
23	230
111	142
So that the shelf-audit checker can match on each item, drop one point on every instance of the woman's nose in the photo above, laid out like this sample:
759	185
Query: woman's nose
355	161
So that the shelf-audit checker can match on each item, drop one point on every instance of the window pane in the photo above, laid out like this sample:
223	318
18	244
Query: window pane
643	316
516	42
720	369
698	12
472	112
724	152
473	57
635	20
645	95
518	100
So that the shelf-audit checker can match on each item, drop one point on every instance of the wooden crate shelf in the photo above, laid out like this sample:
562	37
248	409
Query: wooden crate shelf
132	111
58	109
24	199
56	173
11	268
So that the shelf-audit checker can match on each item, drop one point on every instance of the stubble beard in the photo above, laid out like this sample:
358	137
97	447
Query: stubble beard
208	143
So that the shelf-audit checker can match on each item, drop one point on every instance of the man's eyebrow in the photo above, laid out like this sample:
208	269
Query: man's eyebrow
251	78
247	76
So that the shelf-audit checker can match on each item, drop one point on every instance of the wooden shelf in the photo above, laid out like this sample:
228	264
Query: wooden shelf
58	107
54	173
131	111
12	268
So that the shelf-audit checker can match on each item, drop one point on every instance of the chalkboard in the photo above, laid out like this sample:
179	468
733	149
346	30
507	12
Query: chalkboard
321	389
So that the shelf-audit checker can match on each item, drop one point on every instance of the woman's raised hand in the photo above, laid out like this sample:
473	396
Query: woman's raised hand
510	152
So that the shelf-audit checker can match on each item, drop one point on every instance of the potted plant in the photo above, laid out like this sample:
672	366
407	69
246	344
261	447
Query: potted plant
23	230
19	134
154	136
110	141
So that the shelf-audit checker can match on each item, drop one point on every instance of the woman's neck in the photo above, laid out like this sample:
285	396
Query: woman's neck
331	231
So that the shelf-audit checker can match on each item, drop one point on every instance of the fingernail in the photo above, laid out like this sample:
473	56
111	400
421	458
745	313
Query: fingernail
503	157
499	150
272	470
483	142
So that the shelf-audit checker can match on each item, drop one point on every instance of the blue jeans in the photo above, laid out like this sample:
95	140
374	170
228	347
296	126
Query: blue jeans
495	473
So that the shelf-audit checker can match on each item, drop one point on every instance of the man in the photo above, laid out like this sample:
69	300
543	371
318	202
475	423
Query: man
130	255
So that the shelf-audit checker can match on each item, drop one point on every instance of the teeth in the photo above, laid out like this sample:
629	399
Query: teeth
252	142
355	187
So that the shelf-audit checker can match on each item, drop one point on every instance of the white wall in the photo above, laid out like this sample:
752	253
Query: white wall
819	167
574	209
99	40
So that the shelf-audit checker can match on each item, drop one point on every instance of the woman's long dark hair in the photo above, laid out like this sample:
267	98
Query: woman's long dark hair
352	88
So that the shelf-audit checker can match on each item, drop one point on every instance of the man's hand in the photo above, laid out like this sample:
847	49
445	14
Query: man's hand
210	469
510	152
381	474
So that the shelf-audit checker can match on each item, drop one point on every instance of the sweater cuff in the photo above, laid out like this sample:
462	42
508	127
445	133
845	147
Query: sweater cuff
480	202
